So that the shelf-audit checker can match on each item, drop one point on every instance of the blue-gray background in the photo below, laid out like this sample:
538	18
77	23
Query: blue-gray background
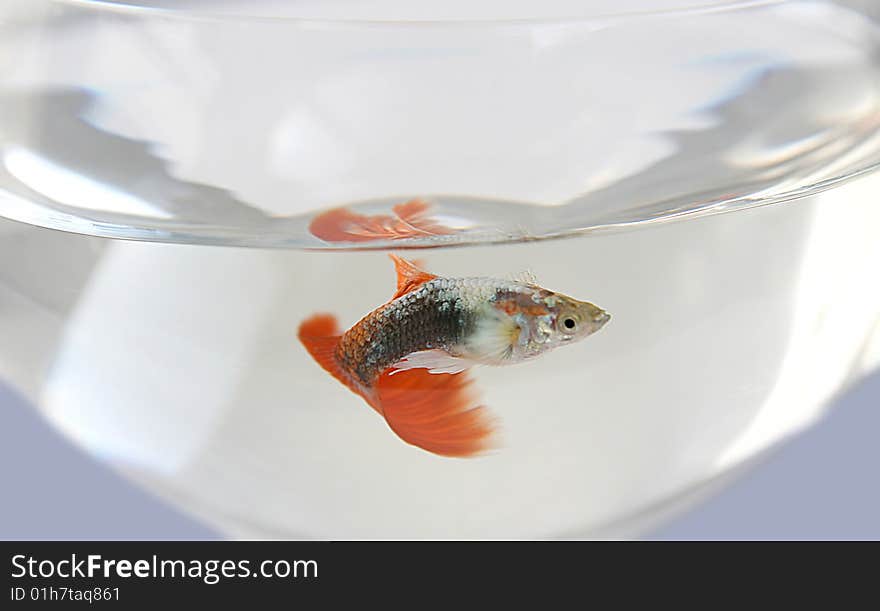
821	484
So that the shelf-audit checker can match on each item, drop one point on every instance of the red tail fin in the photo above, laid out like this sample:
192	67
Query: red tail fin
435	412
320	335
410	220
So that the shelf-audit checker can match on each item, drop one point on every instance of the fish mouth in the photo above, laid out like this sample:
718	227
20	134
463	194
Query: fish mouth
600	320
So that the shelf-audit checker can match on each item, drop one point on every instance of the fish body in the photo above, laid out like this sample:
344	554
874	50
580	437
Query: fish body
408	358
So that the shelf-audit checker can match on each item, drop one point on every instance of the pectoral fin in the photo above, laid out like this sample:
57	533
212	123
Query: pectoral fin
434	361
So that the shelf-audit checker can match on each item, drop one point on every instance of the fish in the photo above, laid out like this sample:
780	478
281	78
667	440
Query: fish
410	219
410	358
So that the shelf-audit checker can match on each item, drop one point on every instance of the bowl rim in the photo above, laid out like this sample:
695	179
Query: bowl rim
683	8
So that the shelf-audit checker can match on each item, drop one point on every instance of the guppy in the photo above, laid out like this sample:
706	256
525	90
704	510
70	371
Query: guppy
409	357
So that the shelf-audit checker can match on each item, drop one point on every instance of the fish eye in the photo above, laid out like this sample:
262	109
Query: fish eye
569	324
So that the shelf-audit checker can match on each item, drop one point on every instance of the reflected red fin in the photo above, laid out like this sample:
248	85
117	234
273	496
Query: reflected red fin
409	221
412	211
409	276
320	335
337	225
435	412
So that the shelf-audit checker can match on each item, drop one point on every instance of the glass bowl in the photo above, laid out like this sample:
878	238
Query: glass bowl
169	171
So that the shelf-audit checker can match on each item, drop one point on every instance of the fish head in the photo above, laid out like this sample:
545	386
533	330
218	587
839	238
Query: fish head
572	320
543	320
559	320
528	321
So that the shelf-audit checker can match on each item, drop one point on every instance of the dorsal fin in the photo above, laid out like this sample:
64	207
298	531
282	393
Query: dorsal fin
409	276
525	277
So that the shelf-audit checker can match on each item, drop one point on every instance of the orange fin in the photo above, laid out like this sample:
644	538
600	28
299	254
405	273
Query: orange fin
320	335
410	220
413	213
409	276
435	412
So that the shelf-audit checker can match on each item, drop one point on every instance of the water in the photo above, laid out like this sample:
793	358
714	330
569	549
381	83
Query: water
173	356
179	365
